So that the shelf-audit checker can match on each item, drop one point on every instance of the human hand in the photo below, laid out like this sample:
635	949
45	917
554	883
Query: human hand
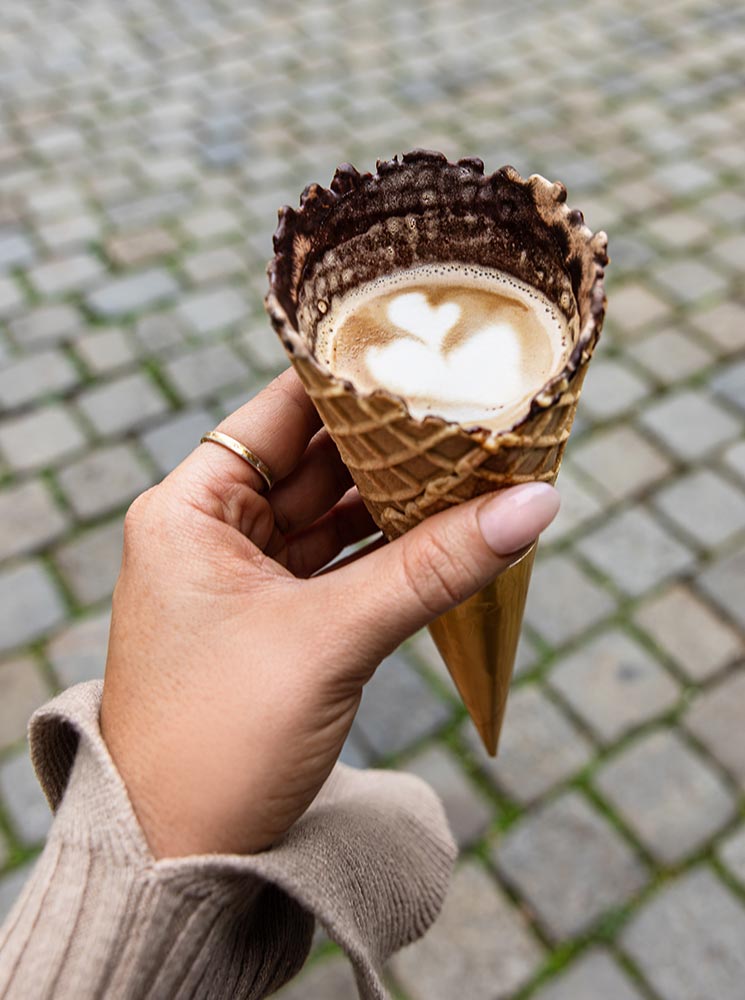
233	674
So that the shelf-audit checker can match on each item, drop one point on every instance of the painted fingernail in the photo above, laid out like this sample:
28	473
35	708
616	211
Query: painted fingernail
514	518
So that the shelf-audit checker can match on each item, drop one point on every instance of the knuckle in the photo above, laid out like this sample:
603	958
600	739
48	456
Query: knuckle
435	575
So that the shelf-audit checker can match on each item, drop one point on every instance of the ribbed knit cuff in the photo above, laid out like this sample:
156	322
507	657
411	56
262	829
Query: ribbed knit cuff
100	917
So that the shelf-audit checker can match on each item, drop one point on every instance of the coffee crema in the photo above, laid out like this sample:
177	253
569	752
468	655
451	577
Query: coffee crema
469	344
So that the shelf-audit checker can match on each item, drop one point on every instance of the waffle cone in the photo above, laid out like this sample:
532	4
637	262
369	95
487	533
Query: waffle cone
420	210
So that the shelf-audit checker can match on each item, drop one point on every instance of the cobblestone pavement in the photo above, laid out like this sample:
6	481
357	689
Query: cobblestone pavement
144	150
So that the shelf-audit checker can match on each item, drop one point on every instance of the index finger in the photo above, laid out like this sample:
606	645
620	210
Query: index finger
276	425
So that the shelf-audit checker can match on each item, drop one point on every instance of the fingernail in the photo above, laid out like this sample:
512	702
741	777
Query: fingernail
513	519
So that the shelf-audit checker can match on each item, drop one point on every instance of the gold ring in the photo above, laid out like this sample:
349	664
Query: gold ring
217	437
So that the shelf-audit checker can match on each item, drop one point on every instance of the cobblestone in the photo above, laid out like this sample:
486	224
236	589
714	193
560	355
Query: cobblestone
635	551
667	794
214	265
331	977
621	462
467	810
41	438
480	945
23	692
689	281
688	630
11	297
136	248
563	601
734	459
690	424
122	405
29	604
104	480
594	976
105	351
732	854
29	519
611	389
170	442
704	506
202	373
673	936
46	325
722	581
724	325
670	356
209	311
717	719
730	385
397	708
68	274
90	563
613	685
132	293
569	864
538	748
578	506
30	378
24	799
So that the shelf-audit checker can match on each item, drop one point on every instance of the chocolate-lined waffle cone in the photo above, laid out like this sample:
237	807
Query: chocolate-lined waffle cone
421	210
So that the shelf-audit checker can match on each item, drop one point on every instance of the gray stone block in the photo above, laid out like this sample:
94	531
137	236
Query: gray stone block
670	356
16	250
723	325
595	975
130	249
29	604
667	794
23	691
621	462
722	581
28	379
731	853
11	297
690	424
468	812
104	480
611	389
635	551
729	384
717	720
538	748
563	601
46	325
569	865
71	233
704	506
687	629
734	459
579	505
480	946
210	222
636	308
90	563
206	312
66	274
398	708
124	404
614	685
687	939
105	351
23	798
78	652
214	265
203	372
265	349
133	293
41	438
170	442
29	519
688	281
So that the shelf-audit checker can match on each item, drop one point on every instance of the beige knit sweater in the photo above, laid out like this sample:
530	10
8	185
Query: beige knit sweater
100	917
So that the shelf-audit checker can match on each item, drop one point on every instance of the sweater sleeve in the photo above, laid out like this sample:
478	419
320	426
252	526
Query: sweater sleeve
101	917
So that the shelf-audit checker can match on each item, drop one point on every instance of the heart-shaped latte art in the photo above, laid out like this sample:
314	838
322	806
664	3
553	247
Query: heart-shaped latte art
484	371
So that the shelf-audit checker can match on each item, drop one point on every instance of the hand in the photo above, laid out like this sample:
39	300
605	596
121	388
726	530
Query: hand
233	673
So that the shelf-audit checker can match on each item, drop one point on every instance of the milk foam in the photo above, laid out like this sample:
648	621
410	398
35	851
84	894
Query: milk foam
470	344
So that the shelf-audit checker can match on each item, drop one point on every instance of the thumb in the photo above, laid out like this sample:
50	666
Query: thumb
403	586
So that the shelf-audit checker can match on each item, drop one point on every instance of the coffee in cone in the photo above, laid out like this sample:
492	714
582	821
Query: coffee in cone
423	215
